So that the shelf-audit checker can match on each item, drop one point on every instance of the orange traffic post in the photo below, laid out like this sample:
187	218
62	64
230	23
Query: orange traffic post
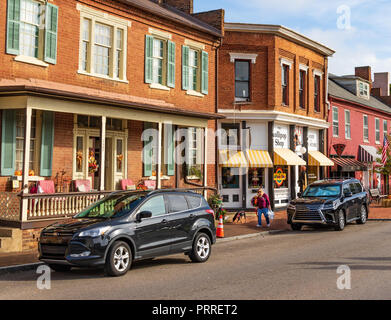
220	228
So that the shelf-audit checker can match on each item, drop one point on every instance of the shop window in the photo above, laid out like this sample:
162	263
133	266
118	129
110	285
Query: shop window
194	153
114	124
256	178
280	177
312	174
230	178
88	122
79	154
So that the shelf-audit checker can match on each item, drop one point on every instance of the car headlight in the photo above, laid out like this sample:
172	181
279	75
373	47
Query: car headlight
331	206
96	232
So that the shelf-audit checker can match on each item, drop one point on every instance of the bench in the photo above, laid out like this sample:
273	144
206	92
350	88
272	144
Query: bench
375	195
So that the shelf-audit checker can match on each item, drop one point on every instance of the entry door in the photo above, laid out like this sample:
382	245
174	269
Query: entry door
231	187
109	164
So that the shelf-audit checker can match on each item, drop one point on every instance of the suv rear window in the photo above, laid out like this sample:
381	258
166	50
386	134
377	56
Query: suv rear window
194	201
177	203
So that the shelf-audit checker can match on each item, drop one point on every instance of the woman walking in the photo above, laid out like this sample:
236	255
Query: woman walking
263	207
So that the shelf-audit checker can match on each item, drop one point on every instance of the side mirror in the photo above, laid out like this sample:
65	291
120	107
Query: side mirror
143	215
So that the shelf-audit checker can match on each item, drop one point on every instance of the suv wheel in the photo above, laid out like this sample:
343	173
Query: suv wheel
296	226
341	221
60	267
119	259
201	248
363	215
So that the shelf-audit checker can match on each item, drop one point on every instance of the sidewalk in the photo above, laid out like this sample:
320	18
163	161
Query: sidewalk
13	259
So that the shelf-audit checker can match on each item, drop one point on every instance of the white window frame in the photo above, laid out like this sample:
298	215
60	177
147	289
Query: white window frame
335	124
377	130
95	16
365	127
363	89
348	128
385	128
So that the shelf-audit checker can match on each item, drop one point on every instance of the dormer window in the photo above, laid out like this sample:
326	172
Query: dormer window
363	90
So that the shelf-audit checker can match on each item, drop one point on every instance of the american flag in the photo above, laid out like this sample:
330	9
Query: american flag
386	145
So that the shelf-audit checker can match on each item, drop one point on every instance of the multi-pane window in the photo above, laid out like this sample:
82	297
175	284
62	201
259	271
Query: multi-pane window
158	58
377	130
335	122
29	28
242	80
194	152
285	84
230	134
365	128
317	93
193	69
102	48
347	124
20	133
302	83
363	89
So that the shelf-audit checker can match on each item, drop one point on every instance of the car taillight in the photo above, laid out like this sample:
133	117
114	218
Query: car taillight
210	211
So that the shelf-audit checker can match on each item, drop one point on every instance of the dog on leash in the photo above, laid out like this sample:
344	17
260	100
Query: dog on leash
240	216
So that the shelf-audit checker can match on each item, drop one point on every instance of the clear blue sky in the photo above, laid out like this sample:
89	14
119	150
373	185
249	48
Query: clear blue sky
366	42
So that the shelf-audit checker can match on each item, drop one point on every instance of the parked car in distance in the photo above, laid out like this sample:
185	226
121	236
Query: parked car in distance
330	202
133	225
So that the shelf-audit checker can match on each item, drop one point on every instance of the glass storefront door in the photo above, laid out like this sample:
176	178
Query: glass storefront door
231	190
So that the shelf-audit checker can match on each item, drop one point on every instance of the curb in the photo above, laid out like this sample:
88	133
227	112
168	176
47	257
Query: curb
250	235
20	267
379	219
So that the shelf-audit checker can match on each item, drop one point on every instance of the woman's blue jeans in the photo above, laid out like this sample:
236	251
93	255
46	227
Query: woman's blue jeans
265	212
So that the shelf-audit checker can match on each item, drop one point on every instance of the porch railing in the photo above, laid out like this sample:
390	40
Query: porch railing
9	206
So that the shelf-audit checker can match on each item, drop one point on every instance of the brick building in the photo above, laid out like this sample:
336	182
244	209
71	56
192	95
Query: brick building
272	89
81	80
359	120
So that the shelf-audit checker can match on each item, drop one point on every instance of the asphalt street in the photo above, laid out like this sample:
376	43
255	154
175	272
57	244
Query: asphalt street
291	265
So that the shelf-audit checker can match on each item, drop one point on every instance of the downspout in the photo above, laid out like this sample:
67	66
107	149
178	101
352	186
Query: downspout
327	113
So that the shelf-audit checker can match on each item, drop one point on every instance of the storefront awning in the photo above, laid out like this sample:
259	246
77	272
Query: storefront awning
367	154
232	159
286	157
318	159
259	159
349	164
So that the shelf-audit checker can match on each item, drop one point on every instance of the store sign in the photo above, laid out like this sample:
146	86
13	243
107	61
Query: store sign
279	177
339	148
281	136
313	140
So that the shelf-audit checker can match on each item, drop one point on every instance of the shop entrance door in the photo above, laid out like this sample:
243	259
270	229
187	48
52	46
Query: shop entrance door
256	178
231	187
109	164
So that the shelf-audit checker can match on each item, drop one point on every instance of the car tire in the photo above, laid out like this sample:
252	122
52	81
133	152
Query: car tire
60	267
202	248
341	221
363	215
296	226
119	259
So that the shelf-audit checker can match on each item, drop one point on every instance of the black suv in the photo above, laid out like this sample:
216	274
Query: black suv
330	202
128	226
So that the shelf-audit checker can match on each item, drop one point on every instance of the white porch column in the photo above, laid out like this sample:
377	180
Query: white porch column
159	157
26	163
102	155
205	160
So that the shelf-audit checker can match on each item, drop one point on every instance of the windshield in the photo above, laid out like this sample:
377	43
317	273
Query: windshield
113	206
322	191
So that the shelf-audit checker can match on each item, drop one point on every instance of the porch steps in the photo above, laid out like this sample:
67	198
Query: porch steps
10	240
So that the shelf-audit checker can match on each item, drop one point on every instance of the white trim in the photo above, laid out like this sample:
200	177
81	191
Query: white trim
303	67
194	93
286	62
317	72
31	60
194	44
159	86
102	15
159	33
96	75
243	56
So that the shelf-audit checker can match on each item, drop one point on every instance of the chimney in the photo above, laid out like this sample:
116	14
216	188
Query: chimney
382	80
215	18
365	73
182	5
377	92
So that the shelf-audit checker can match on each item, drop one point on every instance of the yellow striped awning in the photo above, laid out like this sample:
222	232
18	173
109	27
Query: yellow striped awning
259	159
232	159
318	159
286	157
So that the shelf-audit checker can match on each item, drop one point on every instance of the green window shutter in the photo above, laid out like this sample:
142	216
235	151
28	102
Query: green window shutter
13	26
51	22
147	152
205	73
185	67
171	64
47	144
8	141
148	59
171	152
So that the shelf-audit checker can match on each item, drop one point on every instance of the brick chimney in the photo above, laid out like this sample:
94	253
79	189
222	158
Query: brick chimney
215	18
382	81
182	5
365	73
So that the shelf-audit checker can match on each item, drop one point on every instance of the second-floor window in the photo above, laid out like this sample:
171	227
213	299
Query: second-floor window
195	71
377	130
285	84
302	83
242	80
317	93
385	129
32	30
335	122
365	128
347	124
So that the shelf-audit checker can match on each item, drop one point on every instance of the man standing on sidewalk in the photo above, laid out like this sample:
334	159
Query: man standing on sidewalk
303	182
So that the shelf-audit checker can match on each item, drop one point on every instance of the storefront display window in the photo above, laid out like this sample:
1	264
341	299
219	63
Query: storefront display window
256	178
280	177
230	178
312	174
